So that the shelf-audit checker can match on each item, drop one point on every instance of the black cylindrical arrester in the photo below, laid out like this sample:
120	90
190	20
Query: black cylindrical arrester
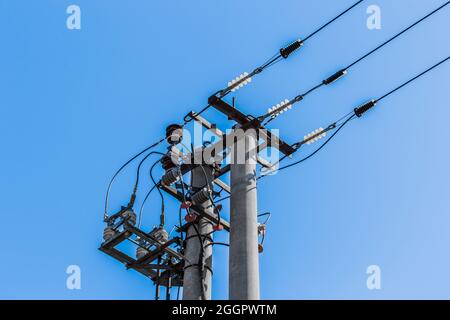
132	199
167	162
174	134
335	77
364	108
286	51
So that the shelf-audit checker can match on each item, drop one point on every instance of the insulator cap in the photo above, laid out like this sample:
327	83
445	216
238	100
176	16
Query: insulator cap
108	233
130	216
364	108
217	227
174	134
140	252
261	229
160	234
335	77
286	51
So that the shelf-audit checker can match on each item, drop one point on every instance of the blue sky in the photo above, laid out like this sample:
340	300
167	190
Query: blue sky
75	104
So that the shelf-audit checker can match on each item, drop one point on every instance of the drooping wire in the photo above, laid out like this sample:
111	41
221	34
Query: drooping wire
143	204
161	223
398	35
138	171
265	214
317	150
222	199
359	112
218	243
121	168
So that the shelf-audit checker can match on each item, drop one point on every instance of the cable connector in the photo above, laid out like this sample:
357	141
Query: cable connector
364	108
315	136
287	51
335	77
239	82
280	108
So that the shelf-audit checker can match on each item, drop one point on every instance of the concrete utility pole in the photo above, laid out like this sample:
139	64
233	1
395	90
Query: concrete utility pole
243	261
193	279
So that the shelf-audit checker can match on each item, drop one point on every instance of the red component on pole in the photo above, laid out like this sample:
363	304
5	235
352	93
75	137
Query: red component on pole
260	248
186	205
217	227
190	217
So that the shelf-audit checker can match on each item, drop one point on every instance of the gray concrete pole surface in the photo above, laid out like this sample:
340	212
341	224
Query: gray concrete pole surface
192	281
244	260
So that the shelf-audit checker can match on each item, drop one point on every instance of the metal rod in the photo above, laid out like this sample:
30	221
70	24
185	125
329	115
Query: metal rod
158	275
169	284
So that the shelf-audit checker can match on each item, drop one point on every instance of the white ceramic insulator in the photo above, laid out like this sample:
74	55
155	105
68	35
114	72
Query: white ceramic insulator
140	252
316	134
239	79
280	108
108	233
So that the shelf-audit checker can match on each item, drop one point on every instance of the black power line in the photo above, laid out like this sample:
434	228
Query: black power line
398	35
332	20
275	112
413	79
358	112
284	53
138	172
121	168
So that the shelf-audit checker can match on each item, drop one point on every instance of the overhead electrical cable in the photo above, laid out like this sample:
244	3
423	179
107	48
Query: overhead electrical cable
143	204
133	195
357	112
284	53
398	35
121	168
286	105
162	216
